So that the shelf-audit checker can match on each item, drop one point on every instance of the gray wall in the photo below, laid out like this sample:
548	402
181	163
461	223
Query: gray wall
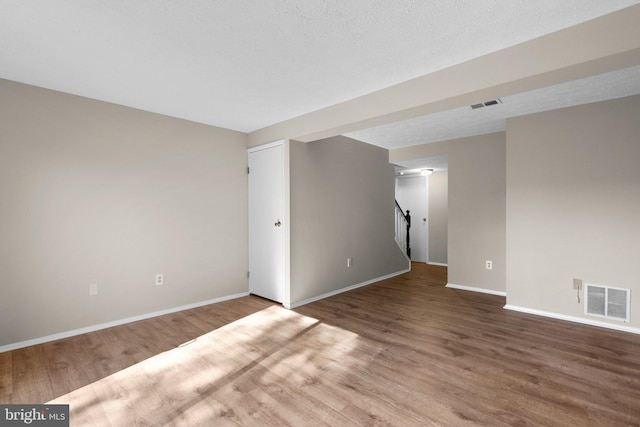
94	192
438	216
573	204
342	205
476	208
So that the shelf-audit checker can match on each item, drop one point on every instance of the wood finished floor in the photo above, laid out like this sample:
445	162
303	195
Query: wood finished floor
403	352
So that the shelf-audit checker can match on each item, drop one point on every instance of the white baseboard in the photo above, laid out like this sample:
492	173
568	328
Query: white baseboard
474	289
348	288
119	322
438	263
573	319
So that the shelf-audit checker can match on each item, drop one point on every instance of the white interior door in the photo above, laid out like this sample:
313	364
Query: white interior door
266	228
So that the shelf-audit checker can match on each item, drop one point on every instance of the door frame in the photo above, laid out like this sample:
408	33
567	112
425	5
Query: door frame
286	220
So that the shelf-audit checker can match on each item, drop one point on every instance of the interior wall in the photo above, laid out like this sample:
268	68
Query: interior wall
573	203
438	216
476	206
93	192
342	206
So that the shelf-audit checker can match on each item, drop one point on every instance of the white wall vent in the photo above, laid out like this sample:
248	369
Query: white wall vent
607	301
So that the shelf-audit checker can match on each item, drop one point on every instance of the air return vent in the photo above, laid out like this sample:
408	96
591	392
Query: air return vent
606	301
486	104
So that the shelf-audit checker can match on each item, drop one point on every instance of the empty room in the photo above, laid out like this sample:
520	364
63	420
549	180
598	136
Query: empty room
307	213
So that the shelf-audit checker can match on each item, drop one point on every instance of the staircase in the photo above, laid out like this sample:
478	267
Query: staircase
403	224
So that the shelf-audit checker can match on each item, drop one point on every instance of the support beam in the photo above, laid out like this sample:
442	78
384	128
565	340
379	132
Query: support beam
604	44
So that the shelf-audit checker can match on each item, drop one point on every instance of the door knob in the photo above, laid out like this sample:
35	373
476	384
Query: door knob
278	224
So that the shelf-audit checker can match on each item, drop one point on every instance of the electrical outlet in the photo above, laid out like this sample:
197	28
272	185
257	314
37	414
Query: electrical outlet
577	284
159	279
488	265
93	289
349	262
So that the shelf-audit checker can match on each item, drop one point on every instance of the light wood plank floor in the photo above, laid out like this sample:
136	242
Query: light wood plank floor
404	352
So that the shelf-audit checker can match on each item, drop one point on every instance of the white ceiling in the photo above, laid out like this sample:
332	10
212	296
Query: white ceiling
247	64
465	121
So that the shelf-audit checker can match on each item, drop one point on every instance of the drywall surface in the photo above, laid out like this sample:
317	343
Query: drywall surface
476	206
342	206
92	192
573	205
438	216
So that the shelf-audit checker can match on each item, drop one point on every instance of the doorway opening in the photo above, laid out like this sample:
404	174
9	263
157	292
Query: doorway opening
422	189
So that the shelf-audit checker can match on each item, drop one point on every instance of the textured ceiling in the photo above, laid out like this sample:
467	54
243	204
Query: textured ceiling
464	121
247	64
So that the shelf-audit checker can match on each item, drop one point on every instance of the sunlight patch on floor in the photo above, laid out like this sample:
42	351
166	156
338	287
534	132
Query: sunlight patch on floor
229	372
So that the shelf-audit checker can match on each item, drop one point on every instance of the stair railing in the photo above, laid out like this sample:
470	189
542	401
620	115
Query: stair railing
403	224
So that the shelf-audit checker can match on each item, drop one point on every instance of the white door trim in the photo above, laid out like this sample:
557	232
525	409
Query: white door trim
266	146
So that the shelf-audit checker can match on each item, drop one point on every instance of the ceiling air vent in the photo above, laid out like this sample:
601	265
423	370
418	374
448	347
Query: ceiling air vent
486	104
605	301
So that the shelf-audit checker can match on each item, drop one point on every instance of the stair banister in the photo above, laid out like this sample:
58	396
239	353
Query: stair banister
403	225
